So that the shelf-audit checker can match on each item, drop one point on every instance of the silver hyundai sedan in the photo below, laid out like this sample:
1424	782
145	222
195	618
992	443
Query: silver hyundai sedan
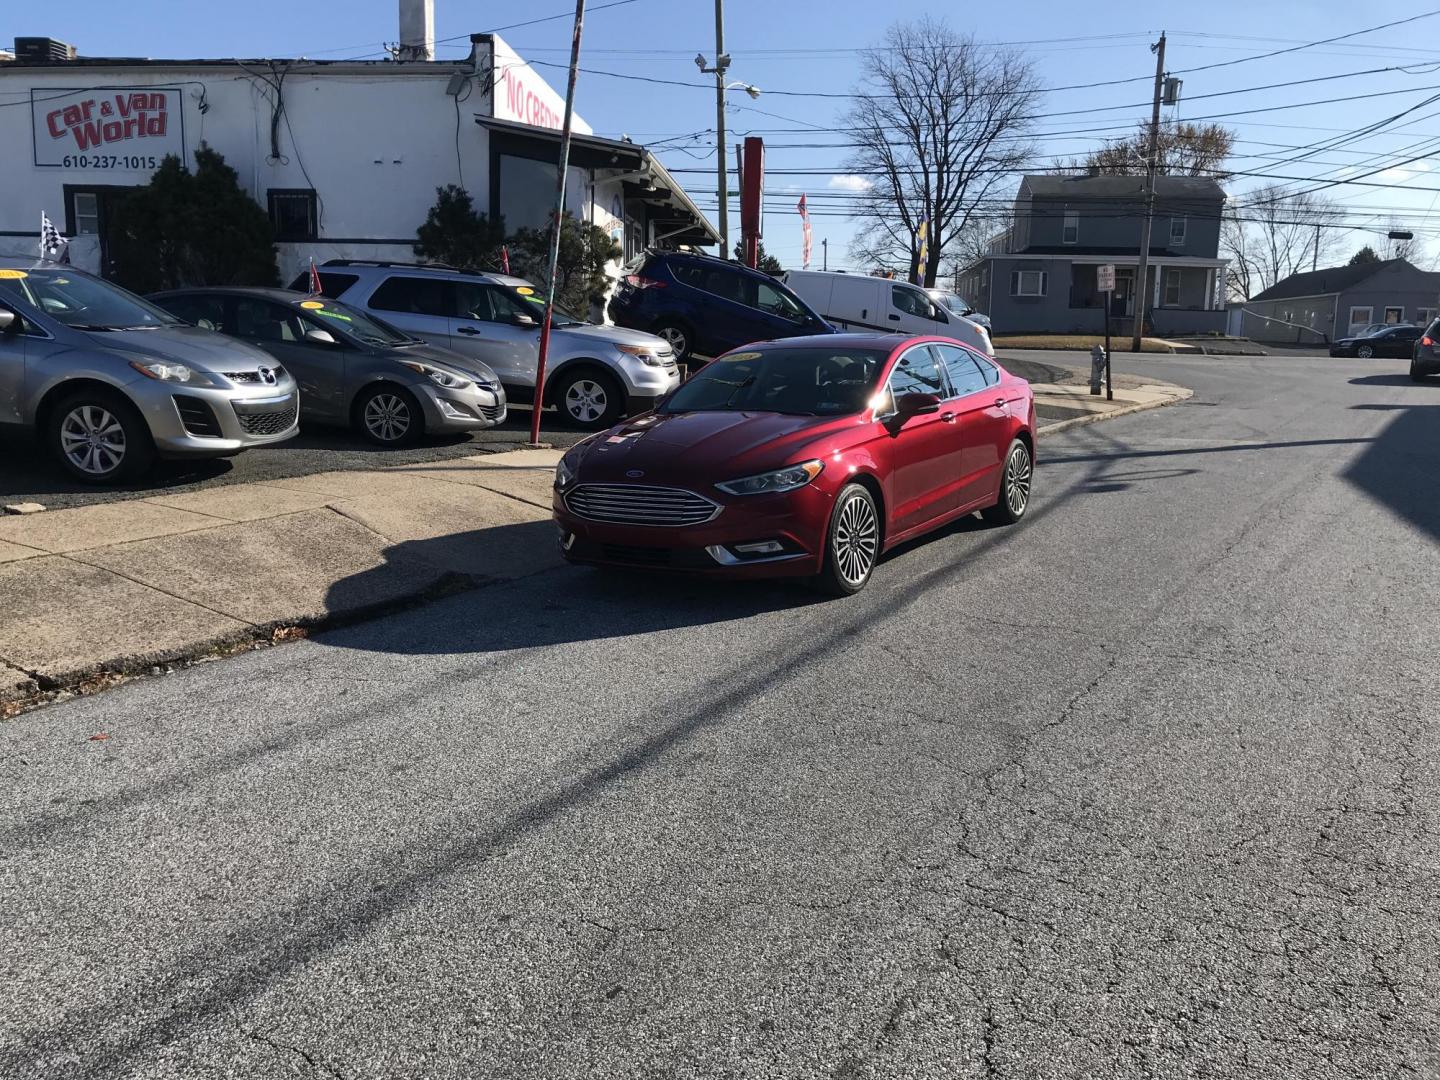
110	381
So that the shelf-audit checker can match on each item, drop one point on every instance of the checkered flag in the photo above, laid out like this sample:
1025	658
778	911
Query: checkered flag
53	246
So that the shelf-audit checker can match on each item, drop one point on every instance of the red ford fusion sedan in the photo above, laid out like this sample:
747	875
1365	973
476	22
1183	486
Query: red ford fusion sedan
806	457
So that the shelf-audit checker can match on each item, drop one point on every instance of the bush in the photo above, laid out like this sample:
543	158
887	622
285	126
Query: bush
185	228
584	251
456	234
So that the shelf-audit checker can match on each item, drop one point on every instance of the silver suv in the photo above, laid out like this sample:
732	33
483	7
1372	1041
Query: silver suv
110	380
594	375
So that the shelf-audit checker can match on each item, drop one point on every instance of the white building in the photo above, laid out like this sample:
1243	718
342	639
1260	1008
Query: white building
345	155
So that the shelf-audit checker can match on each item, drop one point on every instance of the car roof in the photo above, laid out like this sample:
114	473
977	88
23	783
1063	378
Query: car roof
285	296
871	340
34	262
444	273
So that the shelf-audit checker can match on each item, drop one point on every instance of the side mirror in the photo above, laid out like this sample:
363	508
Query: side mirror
8	321
525	320
908	405
320	337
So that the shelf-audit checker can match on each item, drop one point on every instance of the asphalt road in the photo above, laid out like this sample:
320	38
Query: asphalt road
27	474
1144	787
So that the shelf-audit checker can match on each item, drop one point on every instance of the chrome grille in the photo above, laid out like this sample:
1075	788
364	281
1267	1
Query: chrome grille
640	504
242	376
492	412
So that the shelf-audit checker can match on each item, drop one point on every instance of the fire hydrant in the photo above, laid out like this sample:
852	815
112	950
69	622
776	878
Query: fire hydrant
1097	367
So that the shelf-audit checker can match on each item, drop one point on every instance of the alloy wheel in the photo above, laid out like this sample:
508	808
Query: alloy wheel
93	440
857	540
1365	352
586	401
387	417
675	337
1017	479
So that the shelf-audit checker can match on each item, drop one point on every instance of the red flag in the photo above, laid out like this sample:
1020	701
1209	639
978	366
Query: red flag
505	259
316	289
805	233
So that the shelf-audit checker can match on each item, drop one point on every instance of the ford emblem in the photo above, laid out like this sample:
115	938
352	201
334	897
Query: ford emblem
635	474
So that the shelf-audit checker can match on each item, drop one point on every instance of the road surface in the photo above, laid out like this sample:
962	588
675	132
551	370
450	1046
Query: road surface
1145	787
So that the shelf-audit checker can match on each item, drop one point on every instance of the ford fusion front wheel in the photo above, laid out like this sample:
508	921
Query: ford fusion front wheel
852	544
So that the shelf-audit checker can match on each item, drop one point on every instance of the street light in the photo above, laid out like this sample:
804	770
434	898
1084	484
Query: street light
722	64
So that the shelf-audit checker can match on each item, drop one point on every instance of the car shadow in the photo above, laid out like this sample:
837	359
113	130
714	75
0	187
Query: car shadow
1389	378
26	468
1398	469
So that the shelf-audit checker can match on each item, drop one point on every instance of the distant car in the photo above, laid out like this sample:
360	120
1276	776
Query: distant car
109	381
1425	359
807	457
594	374
960	306
707	306
1392	341
352	369
861	302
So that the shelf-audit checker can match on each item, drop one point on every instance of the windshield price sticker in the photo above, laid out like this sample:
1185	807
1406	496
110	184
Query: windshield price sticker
13	275
741	356
311	305
524	290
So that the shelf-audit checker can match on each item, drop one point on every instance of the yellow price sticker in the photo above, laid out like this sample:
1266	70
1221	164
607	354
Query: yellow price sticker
12	275
311	305
524	290
740	356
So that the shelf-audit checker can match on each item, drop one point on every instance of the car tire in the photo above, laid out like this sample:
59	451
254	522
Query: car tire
679	336
1016	478
99	437
588	399
1365	352
852	542
388	415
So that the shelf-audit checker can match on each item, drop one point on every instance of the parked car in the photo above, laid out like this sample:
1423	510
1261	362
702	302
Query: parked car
109	381
706	306
807	457
352	369
594	374
863	302
958	305
1425	359
1392	341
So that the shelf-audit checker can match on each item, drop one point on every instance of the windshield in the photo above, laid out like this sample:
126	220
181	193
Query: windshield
529	300
80	301
802	381
953	301
332	315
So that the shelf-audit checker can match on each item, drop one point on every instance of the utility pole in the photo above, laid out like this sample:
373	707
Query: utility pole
1315	261
1142	289
722	62
825	253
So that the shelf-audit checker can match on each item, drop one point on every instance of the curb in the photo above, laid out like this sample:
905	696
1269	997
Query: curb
1182	393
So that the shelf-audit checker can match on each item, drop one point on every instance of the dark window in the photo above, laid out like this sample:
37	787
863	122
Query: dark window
912	302
917	373
331	283
1407	333
206	311
989	370
776	301
260	320
965	376
292	213
414	296
688	274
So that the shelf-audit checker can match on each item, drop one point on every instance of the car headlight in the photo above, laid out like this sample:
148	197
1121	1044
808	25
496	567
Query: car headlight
644	353
786	479
170	371
435	375
564	477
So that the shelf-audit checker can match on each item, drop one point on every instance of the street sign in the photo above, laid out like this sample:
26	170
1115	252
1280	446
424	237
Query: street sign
1105	277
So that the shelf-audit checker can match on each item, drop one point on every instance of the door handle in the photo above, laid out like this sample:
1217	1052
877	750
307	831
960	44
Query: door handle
947	417
467	330
1000	403
894	318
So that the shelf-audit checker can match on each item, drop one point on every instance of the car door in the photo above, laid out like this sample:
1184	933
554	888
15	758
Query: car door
280	330
12	368
1401	341
485	325
912	312
421	306
983	422
925	453
736	319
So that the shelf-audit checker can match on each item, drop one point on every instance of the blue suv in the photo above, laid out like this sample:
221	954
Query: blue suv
701	304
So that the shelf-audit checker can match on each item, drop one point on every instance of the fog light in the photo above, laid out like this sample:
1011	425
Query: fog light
567	539
760	547
458	412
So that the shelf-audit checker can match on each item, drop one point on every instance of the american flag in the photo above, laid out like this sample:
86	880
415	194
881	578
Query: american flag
805	234
53	246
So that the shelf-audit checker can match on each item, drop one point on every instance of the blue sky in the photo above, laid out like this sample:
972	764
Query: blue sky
810	46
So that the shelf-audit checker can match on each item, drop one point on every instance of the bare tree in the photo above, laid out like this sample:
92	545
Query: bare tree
940	125
1269	234
1181	149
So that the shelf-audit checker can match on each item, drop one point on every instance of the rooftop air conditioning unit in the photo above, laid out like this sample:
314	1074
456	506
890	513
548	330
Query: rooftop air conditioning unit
42	48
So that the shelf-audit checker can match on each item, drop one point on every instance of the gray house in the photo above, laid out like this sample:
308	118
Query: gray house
1322	305
1040	274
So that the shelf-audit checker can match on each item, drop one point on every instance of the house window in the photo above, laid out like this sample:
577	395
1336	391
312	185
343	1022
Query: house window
1424	316
1360	316
1172	288
1070	233
1177	232
292	213
86	206
1029	283
1394	315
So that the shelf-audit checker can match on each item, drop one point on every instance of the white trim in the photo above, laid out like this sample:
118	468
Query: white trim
1369	310
1118	260
1282	299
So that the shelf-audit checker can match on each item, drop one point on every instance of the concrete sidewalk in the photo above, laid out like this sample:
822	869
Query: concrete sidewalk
98	592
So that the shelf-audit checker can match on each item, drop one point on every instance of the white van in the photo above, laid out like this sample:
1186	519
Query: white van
862	302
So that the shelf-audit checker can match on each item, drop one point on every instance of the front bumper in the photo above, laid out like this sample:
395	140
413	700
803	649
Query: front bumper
472	409
187	421
644	385
796	520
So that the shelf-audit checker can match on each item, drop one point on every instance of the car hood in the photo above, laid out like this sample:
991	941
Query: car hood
190	345
447	359
611	335
700	447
